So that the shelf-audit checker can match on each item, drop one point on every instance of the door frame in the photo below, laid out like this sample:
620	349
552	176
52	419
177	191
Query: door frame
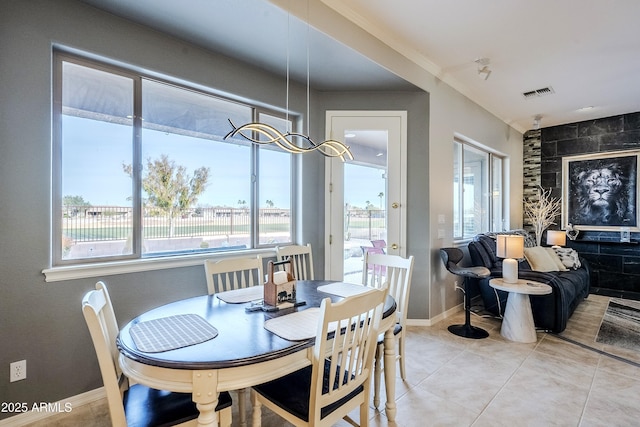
402	176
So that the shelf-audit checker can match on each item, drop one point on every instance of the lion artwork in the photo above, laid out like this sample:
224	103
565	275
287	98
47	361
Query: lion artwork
601	197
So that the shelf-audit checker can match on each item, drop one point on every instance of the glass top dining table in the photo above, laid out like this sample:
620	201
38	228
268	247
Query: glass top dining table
242	351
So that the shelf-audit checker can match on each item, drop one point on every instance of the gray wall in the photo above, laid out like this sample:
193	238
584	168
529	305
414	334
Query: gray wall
42	322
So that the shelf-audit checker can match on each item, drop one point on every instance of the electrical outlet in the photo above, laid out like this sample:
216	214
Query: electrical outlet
18	371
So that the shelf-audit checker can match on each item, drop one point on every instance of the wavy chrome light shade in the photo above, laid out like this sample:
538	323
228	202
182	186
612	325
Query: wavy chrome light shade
329	148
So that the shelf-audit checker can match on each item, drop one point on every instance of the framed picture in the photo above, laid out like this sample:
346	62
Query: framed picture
600	191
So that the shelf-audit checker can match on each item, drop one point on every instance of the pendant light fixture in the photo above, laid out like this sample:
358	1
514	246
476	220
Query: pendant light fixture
292	142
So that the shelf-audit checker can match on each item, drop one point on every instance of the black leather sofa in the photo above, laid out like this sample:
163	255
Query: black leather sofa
550	312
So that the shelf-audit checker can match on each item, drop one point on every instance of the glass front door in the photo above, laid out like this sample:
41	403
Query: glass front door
366	194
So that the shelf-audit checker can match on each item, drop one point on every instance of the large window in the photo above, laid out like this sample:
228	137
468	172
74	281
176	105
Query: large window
477	191
142	169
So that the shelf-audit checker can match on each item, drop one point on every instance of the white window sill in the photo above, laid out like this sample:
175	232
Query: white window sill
82	271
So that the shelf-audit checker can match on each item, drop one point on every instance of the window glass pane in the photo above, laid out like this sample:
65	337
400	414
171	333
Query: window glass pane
144	168
475	190
478	196
96	140
457	190
274	188
497	194
196	186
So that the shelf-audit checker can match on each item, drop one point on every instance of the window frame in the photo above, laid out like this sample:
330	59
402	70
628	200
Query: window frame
494	161
60	56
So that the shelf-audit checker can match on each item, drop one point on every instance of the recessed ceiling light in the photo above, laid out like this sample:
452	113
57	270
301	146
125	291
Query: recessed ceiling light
590	107
349	135
379	154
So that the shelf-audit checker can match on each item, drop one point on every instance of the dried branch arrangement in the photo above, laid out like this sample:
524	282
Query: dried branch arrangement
542	212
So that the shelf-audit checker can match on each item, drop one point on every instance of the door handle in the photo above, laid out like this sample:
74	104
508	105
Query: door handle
395	205
394	246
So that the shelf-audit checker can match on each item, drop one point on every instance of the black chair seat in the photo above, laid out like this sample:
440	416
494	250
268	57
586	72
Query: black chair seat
292	393
148	407
451	257
473	272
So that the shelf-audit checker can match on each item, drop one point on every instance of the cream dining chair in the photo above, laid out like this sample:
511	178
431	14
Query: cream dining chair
228	274
135	405
302	260
396	271
233	273
339	378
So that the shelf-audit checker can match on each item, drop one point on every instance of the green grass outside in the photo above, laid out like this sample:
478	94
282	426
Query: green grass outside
119	233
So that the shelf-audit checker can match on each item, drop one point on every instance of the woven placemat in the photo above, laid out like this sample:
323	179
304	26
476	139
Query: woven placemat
342	289
170	333
236	296
298	326
301	325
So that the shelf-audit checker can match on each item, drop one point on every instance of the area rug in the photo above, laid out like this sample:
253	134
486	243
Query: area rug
620	325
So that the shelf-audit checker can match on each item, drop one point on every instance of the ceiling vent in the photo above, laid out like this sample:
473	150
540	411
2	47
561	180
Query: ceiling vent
538	92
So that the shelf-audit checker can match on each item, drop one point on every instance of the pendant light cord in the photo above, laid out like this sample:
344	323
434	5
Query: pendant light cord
287	57
308	79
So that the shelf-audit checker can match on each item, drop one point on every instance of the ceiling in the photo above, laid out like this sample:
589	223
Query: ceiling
588	55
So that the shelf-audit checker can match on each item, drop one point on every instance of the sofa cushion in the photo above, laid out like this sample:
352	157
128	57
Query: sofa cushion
556	259
539	259
543	259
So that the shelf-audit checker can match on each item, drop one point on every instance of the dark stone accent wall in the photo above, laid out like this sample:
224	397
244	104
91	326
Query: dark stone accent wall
531	157
615	265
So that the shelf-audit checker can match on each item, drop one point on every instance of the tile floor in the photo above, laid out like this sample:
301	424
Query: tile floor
453	381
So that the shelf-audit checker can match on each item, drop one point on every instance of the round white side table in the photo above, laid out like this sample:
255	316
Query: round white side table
517	322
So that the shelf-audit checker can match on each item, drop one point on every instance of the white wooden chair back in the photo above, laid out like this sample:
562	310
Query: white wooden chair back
233	273
349	353
101	320
302	260
394	270
103	327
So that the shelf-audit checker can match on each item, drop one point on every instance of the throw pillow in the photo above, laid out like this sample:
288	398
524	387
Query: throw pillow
539	259
556	259
569	257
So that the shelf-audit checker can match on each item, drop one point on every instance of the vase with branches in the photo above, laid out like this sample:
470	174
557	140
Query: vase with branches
542	212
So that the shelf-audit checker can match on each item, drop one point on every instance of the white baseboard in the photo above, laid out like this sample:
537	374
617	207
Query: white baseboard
430	322
70	402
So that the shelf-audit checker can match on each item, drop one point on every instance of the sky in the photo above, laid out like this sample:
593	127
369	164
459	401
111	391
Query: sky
93	168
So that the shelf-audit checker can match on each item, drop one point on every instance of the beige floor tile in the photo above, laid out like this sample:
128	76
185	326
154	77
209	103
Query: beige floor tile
420	408
609	402
554	346
470	378
613	365
545	390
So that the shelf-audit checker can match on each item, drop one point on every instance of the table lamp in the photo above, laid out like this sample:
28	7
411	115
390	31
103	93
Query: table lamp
509	247
556	238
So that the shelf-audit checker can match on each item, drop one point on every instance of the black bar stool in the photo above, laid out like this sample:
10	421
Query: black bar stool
451	257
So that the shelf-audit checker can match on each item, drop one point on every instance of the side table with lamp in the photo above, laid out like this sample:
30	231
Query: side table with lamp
517	322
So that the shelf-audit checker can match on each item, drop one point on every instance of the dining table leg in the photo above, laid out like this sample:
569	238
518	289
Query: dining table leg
205	384
390	373
256	421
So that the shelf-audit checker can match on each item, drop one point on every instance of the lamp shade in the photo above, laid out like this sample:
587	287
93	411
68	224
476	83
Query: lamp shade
556	238
510	246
